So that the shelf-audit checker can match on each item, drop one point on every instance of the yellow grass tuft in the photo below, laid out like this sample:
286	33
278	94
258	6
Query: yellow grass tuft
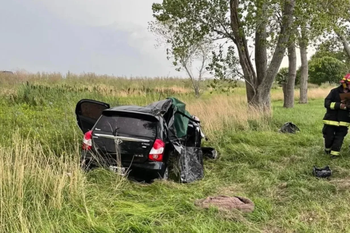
221	111
32	181
313	93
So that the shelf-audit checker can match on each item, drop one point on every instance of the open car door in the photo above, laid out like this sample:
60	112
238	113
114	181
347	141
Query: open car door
87	112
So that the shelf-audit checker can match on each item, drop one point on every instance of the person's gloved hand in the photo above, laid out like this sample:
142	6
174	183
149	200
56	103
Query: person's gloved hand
343	106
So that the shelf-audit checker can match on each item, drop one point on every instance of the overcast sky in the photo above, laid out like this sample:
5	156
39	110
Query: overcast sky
101	36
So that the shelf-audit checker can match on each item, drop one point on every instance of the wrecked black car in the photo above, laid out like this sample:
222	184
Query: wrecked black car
160	140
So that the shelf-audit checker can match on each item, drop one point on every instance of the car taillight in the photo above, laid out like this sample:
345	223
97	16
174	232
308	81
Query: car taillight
87	142
156	153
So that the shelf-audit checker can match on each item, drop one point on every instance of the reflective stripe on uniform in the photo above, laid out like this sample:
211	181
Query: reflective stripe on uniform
332	106
336	123
327	149
336	153
343	123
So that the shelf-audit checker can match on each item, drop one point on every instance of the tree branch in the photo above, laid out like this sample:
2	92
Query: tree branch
344	42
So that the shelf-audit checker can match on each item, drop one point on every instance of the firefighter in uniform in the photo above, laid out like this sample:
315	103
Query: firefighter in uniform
337	119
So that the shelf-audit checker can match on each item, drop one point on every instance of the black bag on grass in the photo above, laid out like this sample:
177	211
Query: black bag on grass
322	172
289	127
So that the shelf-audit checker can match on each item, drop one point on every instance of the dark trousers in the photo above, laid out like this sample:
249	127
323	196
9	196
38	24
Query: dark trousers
334	137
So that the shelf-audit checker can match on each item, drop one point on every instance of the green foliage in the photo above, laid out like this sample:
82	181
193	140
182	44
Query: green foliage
223	85
192	22
224	64
231	24
282	76
326	69
188	26
338	31
332	48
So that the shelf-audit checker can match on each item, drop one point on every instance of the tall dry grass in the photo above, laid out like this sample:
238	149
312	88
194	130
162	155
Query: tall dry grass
221	112
35	185
313	93
39	190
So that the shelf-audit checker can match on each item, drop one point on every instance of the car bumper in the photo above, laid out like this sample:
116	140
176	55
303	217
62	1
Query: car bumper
148	165
152	166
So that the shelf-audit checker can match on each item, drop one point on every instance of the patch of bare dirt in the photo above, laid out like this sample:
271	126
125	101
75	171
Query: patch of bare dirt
273	229
342	183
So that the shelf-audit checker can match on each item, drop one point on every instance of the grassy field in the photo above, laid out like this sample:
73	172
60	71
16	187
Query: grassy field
43	189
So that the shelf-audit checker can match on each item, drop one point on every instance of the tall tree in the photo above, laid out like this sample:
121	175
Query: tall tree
312	19
332	48
336	33
184	56
304	69
239	22
345	41
339	15
309	23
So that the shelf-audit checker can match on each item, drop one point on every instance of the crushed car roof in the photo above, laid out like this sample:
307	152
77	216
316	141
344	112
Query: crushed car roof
177	123
155	109
132	109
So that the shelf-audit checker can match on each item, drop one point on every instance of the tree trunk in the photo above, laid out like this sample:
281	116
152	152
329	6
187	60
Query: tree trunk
265	86
261	100
195	83
196	88
284	90
304	68
281	46
290	84
260	43
258	89
243	53
345	43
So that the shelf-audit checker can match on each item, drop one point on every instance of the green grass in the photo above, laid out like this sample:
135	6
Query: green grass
43	189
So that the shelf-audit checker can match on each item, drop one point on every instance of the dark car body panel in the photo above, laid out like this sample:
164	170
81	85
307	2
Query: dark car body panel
133	139
133	144
87	112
